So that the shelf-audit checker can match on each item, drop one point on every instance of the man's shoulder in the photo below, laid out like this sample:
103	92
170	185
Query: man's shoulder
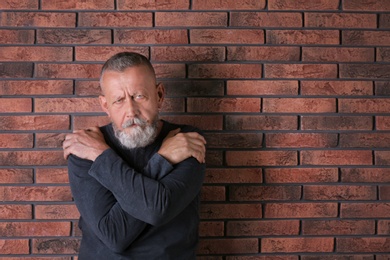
183	127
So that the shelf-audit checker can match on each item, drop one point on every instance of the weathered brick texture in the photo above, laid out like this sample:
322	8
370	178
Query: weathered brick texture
293	97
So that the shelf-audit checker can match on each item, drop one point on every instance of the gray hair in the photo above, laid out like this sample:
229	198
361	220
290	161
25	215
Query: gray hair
123	60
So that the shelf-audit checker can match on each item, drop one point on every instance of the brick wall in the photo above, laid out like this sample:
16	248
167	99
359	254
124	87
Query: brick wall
293	97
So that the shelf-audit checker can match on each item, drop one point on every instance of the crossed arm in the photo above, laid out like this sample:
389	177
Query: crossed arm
117	202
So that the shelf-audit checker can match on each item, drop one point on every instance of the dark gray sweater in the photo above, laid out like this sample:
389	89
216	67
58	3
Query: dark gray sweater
134	204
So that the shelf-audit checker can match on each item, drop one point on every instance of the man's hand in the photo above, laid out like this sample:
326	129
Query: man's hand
86	144
177	147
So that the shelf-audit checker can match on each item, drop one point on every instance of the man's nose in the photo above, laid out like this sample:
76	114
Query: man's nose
131	108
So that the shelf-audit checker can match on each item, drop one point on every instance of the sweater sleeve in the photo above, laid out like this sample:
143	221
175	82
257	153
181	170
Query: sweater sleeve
99	208
153	201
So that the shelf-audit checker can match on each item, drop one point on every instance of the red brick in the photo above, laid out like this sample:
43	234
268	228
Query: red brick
190	19
299	105
383	227
115	19
305	244
70	71
380	175
384	20
227	140
338	227
51	175
213	193
263	193
67	105
255	122
15	105
173	105
36	53
17	36
16	176
36	87
366	105
262	228
289	140
353	88
203	122
345	192
303	5
16	70
56	212
300	175
228	175
35	193
332	54
337	123
31	158
382	88
214	158
155	36
340	20
383	54
265	19
300	71
223	105
384	192
300	210
153	5
55	246
168	71
211	228
187	53
187	88
366	5
225	71
16	140
364	71
262	87
19	4
364	210
83	122
38	19
87	88
226	36
230	211
75	4
376	38
73	36
364	244
9	211
228	246
261	158
34	229
266	257
336	157
49	140
14	246
268	53
382	257
368	140
302	37
382	157
228	5
103	53
382	123
59	122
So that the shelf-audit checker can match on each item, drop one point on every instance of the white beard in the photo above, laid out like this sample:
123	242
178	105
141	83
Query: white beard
137	136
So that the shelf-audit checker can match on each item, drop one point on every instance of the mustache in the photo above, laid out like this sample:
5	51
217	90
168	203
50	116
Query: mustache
135	121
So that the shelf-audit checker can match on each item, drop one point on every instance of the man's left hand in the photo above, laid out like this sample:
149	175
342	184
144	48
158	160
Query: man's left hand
86	144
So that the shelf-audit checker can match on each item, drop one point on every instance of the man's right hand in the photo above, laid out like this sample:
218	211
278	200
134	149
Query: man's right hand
177	147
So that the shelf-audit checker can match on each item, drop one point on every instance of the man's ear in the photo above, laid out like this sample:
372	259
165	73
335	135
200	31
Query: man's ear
160	94
104	104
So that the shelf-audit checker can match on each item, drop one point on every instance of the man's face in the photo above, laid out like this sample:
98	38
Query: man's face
132	100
